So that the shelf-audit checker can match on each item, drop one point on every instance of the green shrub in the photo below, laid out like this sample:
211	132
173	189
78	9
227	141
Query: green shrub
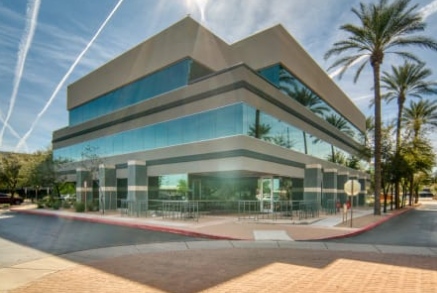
41	204
92	206
5	206
79	207
66	204
56	205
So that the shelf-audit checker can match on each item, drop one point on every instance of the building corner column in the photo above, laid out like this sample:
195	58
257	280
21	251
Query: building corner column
137	181
329	197
313	183
107	187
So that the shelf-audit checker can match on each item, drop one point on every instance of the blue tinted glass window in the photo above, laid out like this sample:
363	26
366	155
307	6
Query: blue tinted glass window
157	83
294	88
271	74
235	119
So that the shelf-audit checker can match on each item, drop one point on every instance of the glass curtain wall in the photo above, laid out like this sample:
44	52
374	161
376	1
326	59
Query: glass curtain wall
162	81
293	87
216	188
237	119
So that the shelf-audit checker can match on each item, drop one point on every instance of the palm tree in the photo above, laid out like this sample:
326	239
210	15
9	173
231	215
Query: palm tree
384	28
418	115
406	80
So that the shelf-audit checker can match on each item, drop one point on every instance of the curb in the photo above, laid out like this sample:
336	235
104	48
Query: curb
364	229
130	225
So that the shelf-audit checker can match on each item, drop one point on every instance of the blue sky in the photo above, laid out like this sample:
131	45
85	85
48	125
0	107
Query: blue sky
41	40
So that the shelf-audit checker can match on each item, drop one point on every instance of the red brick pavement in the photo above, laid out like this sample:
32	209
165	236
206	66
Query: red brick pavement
247	270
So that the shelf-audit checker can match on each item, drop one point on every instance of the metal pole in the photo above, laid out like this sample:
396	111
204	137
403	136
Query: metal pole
352	202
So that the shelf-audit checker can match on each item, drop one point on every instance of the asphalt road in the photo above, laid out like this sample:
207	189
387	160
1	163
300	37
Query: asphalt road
26	237
416	227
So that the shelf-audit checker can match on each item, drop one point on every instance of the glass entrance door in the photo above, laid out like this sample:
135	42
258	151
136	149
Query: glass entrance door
266	192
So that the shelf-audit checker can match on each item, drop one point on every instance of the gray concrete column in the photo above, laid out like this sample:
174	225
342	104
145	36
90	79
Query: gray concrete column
329	196
297	188
137	183
107	187
342	178
313	183
84	185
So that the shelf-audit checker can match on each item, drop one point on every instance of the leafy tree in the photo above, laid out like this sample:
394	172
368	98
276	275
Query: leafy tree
10	166
41	169
420	157
404	81
384	28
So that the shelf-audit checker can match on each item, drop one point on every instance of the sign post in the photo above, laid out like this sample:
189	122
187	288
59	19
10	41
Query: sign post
352	188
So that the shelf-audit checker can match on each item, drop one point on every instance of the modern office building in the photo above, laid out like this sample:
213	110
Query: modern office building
185	115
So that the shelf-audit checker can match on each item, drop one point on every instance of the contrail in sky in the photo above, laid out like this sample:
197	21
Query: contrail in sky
12	130
61	83
337	72
429	9
26	40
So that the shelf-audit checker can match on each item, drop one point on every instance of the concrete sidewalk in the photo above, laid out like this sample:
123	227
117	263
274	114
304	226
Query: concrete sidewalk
219	265
232	228
272	263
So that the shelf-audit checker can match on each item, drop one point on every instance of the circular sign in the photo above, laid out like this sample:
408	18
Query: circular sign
352	187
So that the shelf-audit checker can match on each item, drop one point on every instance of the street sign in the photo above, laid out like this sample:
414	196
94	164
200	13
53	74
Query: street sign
352	187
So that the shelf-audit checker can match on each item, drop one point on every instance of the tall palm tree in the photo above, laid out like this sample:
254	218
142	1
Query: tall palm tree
418	115
384	28
416	118
404	81
407	80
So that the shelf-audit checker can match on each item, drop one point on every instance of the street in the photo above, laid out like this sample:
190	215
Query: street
25	237
417	227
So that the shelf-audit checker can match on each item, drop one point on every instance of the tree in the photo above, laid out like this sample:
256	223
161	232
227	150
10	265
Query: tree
420	157
10	166
384	28
418	115
41	169
404	81
417	118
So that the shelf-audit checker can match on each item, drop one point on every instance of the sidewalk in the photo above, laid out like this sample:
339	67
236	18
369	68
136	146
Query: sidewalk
230	227
272	263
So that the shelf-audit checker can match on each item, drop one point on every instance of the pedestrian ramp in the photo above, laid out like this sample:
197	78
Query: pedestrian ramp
271	235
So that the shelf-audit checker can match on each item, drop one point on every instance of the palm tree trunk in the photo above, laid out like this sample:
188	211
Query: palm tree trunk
377	162
398	146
